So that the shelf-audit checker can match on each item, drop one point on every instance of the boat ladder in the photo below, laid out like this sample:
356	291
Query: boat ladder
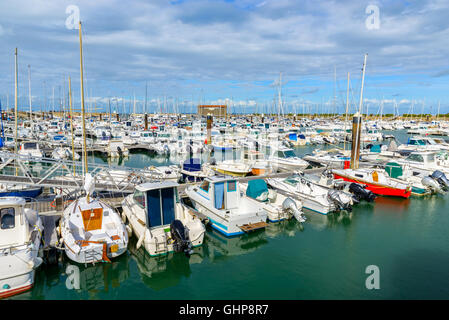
162	244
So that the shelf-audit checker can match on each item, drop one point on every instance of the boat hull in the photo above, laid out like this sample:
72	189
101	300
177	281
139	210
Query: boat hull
27	193
379	189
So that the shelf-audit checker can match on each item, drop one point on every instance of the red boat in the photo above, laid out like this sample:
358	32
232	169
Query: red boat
376	180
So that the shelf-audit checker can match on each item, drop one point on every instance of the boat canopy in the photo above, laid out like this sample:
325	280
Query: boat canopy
256	188
161	206
393	169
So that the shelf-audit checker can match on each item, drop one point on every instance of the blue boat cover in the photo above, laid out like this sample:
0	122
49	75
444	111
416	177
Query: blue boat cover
292	136
192	165
256	188
376	148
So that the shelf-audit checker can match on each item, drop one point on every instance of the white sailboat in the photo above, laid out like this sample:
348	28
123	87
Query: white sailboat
91	230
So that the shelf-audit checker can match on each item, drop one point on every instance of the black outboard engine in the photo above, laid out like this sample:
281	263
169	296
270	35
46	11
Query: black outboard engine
440	177
189	149
120	151
181	239
361	193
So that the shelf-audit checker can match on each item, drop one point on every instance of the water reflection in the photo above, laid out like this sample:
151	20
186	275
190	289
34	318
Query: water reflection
331	220
218	247
391	205
165	270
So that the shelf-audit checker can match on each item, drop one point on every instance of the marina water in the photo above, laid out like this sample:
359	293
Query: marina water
324	258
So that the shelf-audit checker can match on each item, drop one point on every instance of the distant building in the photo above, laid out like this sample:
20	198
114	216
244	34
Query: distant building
214	110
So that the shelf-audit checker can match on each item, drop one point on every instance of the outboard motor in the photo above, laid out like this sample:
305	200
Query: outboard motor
338	198
361	193
431	184
166	150
290	205
189	150
440	177
120	152
180	235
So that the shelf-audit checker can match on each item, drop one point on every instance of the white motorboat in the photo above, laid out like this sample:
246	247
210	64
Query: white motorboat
20	239
116	149
160	221
314	197
30	149
278	206
229	210
63	153
285	158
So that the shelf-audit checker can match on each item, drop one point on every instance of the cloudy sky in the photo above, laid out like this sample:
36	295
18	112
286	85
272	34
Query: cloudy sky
217	51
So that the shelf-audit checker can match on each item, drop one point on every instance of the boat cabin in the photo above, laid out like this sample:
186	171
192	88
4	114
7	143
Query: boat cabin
222	192
13	224
159	200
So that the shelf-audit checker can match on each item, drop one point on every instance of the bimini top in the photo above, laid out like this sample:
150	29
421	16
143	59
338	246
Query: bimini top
11	201
156	185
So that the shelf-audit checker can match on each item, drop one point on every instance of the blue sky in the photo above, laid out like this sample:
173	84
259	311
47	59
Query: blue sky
217	51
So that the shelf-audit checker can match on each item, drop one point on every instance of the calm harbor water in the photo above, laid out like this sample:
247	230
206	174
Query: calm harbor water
324	258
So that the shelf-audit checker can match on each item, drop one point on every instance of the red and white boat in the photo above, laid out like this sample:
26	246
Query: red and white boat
377	180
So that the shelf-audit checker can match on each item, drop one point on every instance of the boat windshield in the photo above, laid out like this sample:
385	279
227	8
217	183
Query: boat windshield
30	146
289	154
415	157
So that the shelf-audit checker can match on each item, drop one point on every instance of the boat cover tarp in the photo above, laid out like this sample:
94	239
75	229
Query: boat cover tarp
292	137
192	165
376	148
256	189
219	195
393	169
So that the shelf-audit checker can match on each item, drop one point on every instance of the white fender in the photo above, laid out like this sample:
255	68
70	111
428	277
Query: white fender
141	239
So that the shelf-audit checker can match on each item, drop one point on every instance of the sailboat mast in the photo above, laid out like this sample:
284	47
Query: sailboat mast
15	107
82	102
71	126
29	90
346	117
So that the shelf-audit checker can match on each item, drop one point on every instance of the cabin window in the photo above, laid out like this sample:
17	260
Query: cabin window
7	218
359	175
139	197
205	186
232	186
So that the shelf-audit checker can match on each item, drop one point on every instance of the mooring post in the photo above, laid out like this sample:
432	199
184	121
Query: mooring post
355	147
